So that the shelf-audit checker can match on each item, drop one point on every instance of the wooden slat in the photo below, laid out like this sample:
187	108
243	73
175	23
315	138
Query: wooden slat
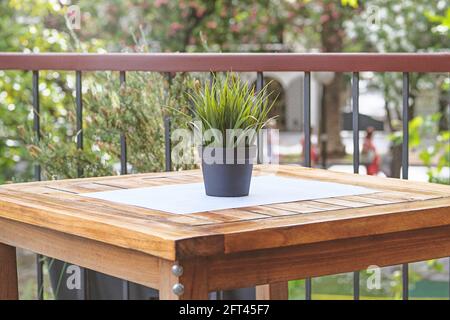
367	200
76	188
238	214
186	179
173	174
126	264
225	216
212	217
151	236
273	212
324	258
394	197
382	184
138	176
187	219
327	225
304	207
127	184
46	190
8	273
343	202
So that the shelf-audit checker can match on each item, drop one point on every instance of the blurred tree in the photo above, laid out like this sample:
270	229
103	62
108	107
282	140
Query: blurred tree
27	26
325	21
199	25
406	26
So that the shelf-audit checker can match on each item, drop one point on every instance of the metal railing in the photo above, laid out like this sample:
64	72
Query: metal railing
259	63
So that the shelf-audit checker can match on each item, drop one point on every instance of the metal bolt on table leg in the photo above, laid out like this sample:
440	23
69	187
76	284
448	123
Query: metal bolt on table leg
177	270
178	289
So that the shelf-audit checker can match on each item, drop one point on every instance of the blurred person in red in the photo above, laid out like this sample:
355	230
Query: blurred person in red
314	150
369	157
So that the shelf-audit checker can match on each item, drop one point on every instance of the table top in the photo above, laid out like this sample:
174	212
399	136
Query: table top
396	206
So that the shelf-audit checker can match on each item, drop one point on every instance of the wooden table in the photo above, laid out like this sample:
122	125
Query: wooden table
264	246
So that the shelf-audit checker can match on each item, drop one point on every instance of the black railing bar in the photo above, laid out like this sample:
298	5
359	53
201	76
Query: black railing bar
405	120
167	144
212	78
259	137
80	144
169	78
123	141
125	290
259	81
355	120
123	170
322	132
79	116
85	284
307	119
405	164
36	119
307	148
37	174
308	289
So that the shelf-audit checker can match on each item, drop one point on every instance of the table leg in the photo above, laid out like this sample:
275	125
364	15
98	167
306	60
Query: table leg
8	273
183	280
273	291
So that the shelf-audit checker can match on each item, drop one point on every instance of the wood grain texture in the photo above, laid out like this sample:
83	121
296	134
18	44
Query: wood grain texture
383	184
147	233
128	264
333	225
261	267
273	291
207	62
396	206
8	273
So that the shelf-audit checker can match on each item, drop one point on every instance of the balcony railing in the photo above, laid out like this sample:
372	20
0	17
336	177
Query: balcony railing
355	63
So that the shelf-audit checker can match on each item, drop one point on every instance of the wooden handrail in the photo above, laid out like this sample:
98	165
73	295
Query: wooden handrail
204	62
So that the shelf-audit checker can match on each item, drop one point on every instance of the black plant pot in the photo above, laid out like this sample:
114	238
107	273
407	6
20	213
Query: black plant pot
227	172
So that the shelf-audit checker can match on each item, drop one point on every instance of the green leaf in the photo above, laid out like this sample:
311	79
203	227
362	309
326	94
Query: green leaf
350	3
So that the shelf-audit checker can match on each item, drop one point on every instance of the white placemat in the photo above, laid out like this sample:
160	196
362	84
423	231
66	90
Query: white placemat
191	198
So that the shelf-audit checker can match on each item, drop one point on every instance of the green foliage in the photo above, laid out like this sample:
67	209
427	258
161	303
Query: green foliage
417	127
30	26
442	21
433	145
39	26
351	3
435	156
231	104
136	109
